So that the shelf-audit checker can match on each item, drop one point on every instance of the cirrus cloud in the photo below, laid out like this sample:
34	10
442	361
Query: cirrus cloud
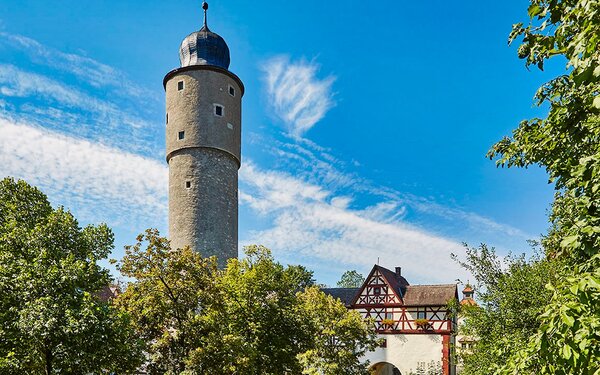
296	95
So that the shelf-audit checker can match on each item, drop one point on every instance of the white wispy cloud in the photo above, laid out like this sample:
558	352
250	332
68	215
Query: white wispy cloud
96	180
39	99
296	95
86	69
319	216
313	224
89	151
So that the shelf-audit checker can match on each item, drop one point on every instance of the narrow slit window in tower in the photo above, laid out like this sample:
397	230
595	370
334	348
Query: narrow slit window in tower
181	135
179	85
218	110
188	184
167	118
231	90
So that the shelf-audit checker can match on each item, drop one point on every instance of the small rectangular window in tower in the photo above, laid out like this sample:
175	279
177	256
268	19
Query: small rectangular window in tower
179	85
231	90
218	110
181	135
188	184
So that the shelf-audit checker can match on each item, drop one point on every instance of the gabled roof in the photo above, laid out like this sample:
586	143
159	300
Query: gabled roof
346	295
410	295
430	295
397	283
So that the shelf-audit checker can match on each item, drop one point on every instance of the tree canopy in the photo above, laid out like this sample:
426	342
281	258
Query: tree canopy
351	279
51	317
254	317
512	294
565	339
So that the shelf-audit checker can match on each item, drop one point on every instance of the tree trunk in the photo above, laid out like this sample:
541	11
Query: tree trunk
48	358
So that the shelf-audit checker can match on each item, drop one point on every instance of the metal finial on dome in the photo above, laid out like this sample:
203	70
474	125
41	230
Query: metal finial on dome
203	47
205	7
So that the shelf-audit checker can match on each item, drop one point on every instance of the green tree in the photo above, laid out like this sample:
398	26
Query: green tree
51	317
340	337
351	279
511	294
254	317
565	143
168	299
256	326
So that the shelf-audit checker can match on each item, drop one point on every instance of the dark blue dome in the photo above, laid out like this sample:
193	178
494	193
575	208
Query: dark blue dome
204	48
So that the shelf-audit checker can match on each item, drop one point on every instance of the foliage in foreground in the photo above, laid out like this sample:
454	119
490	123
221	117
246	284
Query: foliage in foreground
51	318
254	317
567	144
512	294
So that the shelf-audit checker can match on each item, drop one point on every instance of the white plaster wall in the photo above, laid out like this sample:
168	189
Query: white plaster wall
406	351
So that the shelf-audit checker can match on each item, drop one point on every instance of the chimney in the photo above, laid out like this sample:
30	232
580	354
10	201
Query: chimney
398	271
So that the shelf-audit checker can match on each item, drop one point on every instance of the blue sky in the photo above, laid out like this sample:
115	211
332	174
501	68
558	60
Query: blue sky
365	125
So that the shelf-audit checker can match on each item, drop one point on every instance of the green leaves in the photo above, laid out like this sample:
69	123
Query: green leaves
51	316
340	337
565	143
351	279
513	292
254	317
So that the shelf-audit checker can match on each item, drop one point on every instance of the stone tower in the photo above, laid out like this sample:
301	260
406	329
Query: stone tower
204	103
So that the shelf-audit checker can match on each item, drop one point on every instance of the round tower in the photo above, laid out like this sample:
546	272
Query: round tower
203	105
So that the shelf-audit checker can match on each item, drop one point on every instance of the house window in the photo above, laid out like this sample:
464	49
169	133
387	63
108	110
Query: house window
181	135
231	90
389	315
218	110
179	85
421	314
188	184
377	290
383	343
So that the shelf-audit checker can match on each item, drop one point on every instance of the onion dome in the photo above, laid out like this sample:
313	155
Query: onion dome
204	47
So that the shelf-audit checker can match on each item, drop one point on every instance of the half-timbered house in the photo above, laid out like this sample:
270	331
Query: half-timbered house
413	320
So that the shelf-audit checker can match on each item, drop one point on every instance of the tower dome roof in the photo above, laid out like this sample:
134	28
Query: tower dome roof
204	47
